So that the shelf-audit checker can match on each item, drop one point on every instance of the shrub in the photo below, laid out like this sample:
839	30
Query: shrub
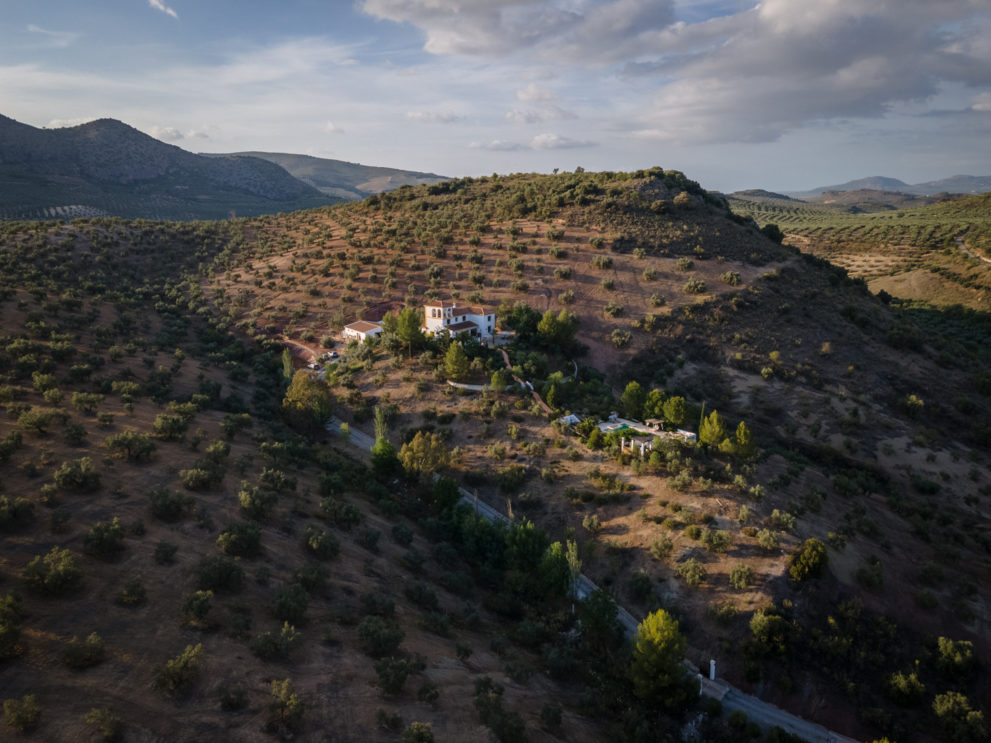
200	478
134	447
379	637
661	547
808	562
80	654
219	574
321	543
684	263
955	658
256	503
105	539
402	535
715	541
694	285
22	714
741	576
169	427
340	513
167	505
510	478
78	475
418	732
10	626
392	674
692	572
958	720
165	553
768	540
132	593
286	708
290	603
368	538
240	539
268	646
105	723
15	514
176	676
56	573
620	338
732	278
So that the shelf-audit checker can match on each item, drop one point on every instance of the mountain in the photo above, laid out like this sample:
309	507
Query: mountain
342	179
108	168
953	185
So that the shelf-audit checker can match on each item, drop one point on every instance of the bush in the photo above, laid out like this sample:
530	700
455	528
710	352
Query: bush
241	539
661	547
132	593
960	723
402	535
134	447
290	603
256	503
732	278
741	576
201	478
80	654
78	475
167	505
169	427
15	514
105	539
286	708
56	573
692	572
368	538
175	677
694	285
392	674
620	338
418	732
268	646
165	553
22	714
379	637
320	543
219	574
105	723
808	562
10	626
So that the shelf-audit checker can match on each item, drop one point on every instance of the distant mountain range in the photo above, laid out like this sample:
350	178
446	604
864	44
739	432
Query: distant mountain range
107	168
343	179
966	184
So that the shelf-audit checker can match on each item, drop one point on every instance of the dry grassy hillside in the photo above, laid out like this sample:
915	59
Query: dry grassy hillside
870	423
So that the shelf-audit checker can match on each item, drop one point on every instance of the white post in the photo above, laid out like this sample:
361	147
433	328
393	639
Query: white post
712	670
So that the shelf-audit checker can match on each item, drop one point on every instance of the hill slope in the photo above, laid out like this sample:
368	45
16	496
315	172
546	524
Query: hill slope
869	420
342	179
939	253
108	168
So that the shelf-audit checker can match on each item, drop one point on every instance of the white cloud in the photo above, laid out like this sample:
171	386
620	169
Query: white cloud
166	133
533	93
558	142
159	5
57	39
982	102
63	123
545	141
331	128
524	117
498	145
434	117
545	106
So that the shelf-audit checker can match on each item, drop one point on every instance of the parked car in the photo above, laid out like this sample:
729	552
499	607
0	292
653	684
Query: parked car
314	366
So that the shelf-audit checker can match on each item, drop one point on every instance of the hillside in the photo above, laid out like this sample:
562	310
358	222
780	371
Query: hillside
341	179
956	184
106	168
864	429
937	253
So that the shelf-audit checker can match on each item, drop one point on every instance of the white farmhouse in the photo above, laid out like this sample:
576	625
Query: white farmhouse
361	330
454	318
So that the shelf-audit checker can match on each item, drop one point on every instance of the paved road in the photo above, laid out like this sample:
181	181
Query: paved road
764	714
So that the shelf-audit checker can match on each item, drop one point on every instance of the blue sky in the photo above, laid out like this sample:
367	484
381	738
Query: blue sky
784	94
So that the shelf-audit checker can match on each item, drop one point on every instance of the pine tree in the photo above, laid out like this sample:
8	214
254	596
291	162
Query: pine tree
656	669
712	432
456	362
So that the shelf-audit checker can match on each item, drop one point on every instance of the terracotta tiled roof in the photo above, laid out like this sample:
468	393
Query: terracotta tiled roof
479	309
363	326
457	327
444	303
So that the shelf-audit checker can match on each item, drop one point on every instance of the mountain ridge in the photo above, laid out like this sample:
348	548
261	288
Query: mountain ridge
109	167
969	184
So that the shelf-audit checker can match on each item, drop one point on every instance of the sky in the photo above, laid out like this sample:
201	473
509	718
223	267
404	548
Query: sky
781	94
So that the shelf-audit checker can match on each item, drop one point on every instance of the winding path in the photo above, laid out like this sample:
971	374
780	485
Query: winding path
764	714
525	385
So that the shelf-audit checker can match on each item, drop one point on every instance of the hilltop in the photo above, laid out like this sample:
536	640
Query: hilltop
863	429
107	168
341	179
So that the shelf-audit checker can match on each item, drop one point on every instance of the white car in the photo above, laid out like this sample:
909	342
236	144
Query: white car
313	366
